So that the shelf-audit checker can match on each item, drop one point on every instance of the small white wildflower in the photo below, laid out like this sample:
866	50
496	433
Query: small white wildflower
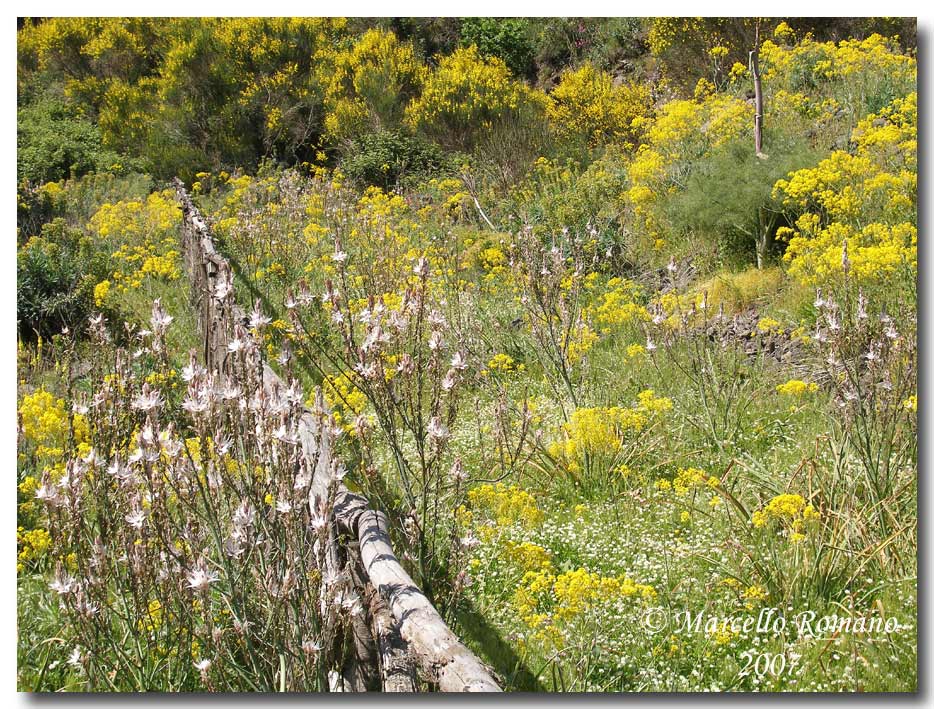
200	577
63	584
437	430
136	519
459	361
148	399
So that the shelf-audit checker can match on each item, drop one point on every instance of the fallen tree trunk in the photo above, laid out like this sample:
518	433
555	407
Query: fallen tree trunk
442	656
412	625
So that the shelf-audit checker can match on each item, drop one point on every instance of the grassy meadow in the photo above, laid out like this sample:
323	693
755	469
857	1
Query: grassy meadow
639	401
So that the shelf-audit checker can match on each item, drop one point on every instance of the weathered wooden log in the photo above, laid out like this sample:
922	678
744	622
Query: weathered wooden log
414	627
395	661
396	665
442	656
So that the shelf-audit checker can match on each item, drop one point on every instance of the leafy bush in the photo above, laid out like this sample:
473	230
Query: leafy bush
509	39
607	43
587	106
392	159
54	283
556	196
53	142
726	200
467	96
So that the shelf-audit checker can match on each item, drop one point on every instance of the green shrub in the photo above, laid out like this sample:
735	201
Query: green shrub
509	39
53	142
55	282
393	160
719	210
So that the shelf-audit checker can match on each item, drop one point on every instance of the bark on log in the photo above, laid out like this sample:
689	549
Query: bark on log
418	627
442	656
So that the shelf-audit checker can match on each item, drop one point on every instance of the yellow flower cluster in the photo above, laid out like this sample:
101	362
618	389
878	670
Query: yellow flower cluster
344	398
503	363
506	505
790	511
620	306
686	481
866	199
796	387
32	545
580	341
527	555
543	597
146	232
586	104
601	431
46	423
767	325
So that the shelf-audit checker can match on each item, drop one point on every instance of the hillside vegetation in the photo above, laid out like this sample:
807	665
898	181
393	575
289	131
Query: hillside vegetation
598	360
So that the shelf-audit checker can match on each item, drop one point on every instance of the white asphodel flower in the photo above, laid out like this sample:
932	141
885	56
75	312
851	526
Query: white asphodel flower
459	361
63	584
437	430
136	519
200	577
148	399
257	319
160	319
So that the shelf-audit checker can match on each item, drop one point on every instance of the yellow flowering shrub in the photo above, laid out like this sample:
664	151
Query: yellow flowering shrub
796	387
505	505
467	94
865	199
587	105
855	72
369	84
